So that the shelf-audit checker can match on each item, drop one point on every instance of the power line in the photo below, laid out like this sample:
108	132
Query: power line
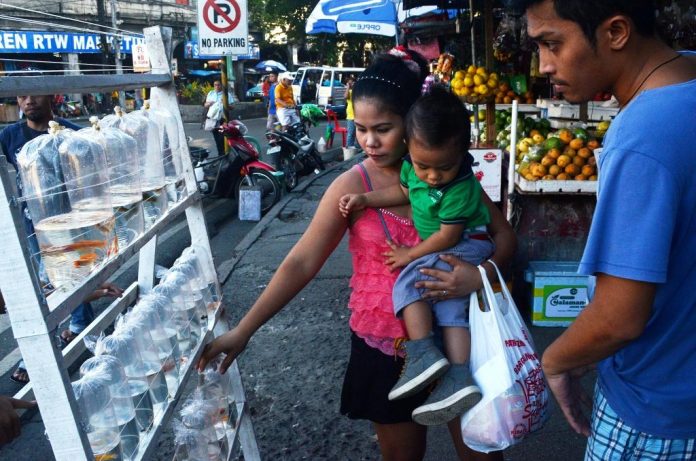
68	19
80	29
55	62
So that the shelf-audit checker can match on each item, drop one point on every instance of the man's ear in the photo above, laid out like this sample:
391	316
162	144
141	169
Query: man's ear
615	31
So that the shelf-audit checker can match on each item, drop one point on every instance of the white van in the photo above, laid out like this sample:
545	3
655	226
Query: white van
324	86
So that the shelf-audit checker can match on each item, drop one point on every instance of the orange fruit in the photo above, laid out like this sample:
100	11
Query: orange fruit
538	170
547	161
554	170
565	135
592	144
554	153
592	160
562	177
581	177
576	143
585	152
507	100
549	177
570	152
563	161
530	177
572	170
588	170
593	177
579	161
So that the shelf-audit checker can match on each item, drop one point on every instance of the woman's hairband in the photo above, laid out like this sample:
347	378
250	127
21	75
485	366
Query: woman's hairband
380	79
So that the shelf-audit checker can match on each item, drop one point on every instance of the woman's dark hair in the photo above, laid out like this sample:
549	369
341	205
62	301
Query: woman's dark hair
439	118
392	83
589	14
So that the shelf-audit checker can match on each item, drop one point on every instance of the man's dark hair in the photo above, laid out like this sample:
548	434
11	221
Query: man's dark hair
438	119
589	14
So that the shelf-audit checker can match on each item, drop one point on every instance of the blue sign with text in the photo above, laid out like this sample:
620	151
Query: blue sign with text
24	41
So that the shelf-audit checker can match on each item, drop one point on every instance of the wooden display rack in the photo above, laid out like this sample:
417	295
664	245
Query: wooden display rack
34	316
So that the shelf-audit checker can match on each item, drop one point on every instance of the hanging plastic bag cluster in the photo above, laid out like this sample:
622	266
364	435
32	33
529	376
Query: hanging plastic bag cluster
66	187
204	424
91	193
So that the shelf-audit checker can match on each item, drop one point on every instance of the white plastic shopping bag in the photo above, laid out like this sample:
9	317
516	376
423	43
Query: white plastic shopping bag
508	371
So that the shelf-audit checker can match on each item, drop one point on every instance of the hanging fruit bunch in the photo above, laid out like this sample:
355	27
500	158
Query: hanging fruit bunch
475	85
505	44
444	67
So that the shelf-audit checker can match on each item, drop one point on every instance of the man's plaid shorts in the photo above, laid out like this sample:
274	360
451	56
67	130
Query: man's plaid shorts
611	439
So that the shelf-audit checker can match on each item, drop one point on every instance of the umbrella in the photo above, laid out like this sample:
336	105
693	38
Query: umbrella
270	66
376	17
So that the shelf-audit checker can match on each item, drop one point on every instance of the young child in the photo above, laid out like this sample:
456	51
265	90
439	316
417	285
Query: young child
450	216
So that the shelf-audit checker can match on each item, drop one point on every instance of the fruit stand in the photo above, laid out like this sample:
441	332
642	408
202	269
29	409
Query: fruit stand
34	315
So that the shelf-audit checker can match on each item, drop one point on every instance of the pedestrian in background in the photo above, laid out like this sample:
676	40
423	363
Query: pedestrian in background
382	98
350	115
639	325
272	118
215	114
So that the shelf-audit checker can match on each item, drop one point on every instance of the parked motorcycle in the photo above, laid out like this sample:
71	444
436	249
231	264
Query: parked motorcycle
294	153
224	176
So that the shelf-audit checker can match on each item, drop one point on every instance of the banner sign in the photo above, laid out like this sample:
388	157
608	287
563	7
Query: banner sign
222	27
26	41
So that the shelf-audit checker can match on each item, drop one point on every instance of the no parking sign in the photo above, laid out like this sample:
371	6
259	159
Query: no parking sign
222	27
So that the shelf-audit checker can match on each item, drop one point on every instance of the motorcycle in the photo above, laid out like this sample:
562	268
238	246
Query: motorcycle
294	153
224	176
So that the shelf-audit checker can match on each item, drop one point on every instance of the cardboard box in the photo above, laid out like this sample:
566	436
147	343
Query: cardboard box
488	167
558	292
9	113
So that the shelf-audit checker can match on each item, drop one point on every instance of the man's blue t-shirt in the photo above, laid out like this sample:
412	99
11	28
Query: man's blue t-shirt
644	228
13	137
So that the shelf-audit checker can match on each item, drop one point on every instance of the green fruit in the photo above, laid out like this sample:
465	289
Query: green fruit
545	123
553	143
580	133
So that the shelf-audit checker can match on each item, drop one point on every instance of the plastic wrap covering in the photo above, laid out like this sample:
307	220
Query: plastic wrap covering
200	415
171	149
151	167
163	380
124	179
96	415
65	183
206	263
199	290
179	285
191	444
111	370
216	389
164	339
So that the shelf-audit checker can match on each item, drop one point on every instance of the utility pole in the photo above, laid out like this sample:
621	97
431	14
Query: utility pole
117	52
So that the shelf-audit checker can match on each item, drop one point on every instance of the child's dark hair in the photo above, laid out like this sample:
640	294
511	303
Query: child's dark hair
439	118
391	83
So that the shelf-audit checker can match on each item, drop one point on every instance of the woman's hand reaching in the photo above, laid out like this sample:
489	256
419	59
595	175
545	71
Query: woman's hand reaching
231	343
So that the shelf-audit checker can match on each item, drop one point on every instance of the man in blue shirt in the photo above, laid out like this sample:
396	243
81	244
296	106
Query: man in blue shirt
639	326
37	110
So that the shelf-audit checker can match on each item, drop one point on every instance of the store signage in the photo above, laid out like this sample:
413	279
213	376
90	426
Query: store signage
222	27
24	41
141	58
487	168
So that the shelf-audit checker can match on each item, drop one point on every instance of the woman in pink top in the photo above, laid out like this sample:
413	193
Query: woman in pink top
382	97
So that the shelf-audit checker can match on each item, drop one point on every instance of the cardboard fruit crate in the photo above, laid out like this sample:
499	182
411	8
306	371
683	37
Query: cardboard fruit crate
559	293
542	186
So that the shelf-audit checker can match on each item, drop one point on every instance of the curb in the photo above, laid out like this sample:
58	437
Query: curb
226	267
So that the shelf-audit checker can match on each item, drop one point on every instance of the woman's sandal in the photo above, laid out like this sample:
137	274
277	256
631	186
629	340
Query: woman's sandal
20	375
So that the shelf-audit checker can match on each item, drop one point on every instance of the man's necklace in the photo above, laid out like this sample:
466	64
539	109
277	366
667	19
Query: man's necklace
654	69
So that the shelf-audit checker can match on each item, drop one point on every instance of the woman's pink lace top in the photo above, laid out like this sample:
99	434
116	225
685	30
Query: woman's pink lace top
372	313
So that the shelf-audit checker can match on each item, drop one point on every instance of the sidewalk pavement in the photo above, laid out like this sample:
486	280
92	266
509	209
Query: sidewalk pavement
293	367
